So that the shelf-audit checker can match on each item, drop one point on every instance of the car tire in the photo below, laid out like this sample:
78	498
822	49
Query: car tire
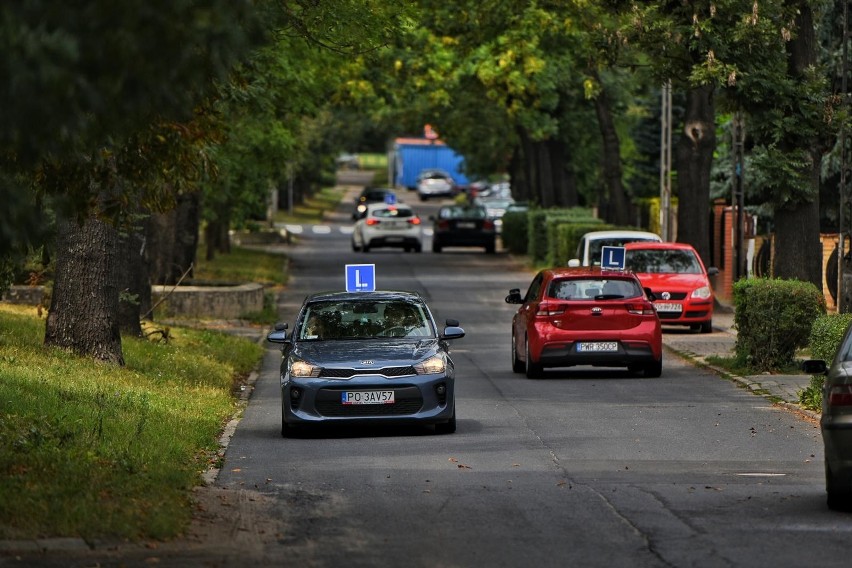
418	247
489	249
655	369
533	370
436	247
406	249
517	365
365	247
354	246
837	497
448	427
707	327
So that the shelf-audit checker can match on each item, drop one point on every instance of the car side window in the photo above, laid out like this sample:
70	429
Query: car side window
534	289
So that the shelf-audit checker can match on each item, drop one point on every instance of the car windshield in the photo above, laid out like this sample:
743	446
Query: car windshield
661	261
591	288
596	246
364	319
462	213
392	212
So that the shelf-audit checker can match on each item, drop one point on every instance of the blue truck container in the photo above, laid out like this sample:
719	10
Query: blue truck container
413	155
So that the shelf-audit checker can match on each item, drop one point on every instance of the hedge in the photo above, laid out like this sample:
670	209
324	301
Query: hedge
774	319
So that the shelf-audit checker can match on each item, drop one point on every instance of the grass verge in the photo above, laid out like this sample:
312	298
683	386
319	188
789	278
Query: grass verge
313	208
97	451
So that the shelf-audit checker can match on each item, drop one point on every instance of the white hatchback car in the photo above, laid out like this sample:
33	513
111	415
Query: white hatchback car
388	225
589	248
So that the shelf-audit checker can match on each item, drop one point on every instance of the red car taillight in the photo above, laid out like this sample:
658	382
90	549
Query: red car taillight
372	221
414	221
545	309
443	225
643	309
488	225
840	395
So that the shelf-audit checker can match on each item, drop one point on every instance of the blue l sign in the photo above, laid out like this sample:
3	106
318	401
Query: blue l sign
360	277
613	258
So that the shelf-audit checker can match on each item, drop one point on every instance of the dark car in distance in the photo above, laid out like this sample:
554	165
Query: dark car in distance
463	226
372	195
366	358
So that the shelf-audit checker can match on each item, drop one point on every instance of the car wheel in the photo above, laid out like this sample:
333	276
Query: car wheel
447	427
517	364
655	369
707	327
838	497
354	246
418	247
533	370
365	247
489	249
406	249
423	198
436	247
286	429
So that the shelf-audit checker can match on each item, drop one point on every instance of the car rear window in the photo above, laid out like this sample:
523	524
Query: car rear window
589	288
661	261
596	245
393	212
463	213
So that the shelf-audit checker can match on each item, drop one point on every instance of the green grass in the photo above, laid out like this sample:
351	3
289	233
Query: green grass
242	265
313	208
93	450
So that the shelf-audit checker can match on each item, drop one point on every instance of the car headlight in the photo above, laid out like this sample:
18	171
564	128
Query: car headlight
702	293
430	366
299	368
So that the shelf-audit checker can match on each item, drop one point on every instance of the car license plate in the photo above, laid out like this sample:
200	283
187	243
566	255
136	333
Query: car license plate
597	346
367	397
668	307
465	225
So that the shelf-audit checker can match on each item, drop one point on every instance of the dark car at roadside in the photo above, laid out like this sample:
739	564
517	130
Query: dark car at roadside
463	226
836	422
366	358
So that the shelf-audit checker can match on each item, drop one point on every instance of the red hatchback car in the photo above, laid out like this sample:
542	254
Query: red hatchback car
677	277
585	316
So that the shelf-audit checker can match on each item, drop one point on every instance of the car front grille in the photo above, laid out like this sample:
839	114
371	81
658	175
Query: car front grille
674	295
408	401
333	373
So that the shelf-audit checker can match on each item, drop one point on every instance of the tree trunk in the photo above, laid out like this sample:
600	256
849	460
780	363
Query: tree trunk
798	254
564	180
173	240
617	210
135	288
84	306
695	149
545	174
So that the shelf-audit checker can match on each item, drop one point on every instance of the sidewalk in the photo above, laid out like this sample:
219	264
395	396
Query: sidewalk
697	347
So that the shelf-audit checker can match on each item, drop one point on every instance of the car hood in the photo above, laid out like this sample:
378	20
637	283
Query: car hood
670	282
355	353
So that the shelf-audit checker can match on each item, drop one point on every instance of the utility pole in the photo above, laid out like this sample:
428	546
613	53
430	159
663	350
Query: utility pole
666	231
738	198
845	160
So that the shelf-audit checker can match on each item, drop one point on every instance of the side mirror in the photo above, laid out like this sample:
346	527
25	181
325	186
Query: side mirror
279	334
650	294
452	331
514	297
814	367
712	271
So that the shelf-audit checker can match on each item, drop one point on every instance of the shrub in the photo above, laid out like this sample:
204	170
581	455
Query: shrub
773	319
539	228
514	231
568	237
826	334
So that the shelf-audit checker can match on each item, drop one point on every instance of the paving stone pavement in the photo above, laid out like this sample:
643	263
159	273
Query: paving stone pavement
698	346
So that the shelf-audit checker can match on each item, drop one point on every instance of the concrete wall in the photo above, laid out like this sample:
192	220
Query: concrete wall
209	302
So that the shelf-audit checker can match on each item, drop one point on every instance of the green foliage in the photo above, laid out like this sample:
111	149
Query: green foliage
774	319
540	231
514	231
811	396
103	452
826	334
242	265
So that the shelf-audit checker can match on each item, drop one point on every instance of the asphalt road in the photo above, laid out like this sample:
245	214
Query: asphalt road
582	468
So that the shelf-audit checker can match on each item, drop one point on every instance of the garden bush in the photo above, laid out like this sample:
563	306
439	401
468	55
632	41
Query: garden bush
514	231
773	319
826	334
539	230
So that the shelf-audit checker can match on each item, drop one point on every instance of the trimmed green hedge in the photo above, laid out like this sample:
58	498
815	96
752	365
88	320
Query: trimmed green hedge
539	228
514	231
826	334
774	319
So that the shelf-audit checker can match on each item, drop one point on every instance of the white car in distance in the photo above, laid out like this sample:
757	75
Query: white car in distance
388	225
